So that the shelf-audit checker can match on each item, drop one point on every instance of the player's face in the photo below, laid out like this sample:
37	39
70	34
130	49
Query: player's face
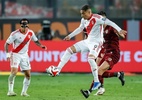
24	24
85	14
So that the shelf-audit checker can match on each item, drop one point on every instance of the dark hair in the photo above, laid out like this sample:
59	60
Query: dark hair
24	19
85	7
102	13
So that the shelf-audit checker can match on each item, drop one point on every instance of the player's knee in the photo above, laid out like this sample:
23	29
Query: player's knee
71	50
13	73
28	76
91	59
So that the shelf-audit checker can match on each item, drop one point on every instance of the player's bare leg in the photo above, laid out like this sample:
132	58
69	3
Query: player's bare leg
11	82
26	83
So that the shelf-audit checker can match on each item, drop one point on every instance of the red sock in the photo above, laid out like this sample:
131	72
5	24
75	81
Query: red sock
91	85
101	79
108	74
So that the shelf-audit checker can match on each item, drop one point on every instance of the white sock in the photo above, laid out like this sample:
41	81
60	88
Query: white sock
11	82
26	83
65	58
94	69
118	75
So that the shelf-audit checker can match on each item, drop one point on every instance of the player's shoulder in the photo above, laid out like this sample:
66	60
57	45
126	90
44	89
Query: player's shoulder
82	19
97	16
31	31
14	32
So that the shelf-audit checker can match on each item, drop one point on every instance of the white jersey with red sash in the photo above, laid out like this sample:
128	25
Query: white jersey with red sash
21	41
94	27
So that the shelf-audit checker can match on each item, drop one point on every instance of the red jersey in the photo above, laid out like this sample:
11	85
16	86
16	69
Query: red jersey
111	39
110	51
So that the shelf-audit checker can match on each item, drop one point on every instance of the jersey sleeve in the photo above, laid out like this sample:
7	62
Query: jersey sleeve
11	38
34	38
110	23
77	30
102	20
99	19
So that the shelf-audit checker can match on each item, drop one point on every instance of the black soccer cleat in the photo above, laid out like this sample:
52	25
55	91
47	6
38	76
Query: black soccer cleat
85	93
121	78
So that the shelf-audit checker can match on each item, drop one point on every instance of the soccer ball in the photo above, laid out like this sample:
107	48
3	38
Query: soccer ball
52	71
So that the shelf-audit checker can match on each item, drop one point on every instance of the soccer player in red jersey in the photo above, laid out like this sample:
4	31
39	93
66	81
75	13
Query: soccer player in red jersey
108	57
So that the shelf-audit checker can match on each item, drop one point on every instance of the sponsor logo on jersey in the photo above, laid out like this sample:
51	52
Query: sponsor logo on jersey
103	19
106	31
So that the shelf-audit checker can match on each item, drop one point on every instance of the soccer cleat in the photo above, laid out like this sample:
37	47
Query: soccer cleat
101	91
85	93
24	94
11	94
96	85
121	78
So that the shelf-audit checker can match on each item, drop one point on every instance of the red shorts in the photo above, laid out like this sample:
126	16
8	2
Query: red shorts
112	57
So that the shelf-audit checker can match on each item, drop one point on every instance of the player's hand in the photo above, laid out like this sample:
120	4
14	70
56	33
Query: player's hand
8	56
44	47
67	38
8	59
123	33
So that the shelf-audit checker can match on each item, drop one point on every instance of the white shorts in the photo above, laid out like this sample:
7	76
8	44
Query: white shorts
92	47
21	60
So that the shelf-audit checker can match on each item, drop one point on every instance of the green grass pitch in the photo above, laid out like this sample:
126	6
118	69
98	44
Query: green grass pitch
67	87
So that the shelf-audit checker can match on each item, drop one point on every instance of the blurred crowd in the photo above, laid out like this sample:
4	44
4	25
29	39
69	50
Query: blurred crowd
70	8
11	10
17	8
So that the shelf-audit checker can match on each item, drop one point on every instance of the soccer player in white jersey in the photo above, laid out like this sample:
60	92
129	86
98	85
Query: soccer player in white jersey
93	23
20	39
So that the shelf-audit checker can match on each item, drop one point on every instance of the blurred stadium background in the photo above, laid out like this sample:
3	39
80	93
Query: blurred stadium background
64	16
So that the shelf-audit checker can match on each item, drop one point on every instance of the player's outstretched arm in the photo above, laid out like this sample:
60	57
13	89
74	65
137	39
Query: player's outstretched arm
110	23
121	34
40	45
75	32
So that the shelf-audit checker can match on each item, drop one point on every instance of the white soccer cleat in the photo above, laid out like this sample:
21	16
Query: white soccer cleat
11	93
101	91
24	94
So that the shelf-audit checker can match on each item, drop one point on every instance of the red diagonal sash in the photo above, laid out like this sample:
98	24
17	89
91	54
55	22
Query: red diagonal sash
27	38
